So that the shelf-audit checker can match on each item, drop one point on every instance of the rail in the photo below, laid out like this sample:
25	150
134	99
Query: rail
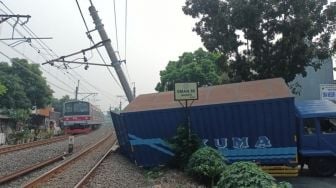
88	175
31	144
44	177
26	170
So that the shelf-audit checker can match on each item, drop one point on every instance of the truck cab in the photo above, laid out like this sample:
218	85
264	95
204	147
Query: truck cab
316	133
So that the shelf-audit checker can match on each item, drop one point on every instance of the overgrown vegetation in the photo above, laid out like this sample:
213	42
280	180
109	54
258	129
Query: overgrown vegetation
183	145
199	66
206	163
3	89
261	39
247	174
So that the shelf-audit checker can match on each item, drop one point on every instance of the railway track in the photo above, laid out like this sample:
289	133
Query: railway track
31	144
86	178
46	179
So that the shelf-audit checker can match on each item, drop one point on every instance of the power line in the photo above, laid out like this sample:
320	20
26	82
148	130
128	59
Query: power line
125	51
115	24
37	63
28	30
90	38
44	46
52	53
33	73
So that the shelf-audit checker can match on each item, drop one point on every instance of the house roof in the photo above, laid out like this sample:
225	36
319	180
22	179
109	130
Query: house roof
228	93
4	116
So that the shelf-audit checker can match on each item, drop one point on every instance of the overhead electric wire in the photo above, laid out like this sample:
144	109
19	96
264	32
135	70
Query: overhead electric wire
125	51
115	25
17	51
44	46
35	73
28	30
90	38
52	53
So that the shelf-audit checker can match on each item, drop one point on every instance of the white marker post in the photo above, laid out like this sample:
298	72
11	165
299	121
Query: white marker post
71	144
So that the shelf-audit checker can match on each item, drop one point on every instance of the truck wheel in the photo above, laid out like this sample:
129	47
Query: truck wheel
323	166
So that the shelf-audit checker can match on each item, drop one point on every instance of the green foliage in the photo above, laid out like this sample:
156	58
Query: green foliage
284	185
183	145
199	67
58	103
206	162
245	174
3	89
19	115
20	136
154	173
25	85
266	38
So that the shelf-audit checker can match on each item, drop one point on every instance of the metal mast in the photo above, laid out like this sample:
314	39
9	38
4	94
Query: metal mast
115	62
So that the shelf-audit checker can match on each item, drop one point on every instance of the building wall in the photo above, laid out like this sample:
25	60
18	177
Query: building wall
310	85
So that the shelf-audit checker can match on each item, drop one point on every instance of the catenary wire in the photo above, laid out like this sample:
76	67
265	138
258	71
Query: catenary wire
52	53
100	55
55	85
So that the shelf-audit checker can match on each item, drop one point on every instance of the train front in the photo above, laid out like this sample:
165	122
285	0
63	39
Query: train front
76	117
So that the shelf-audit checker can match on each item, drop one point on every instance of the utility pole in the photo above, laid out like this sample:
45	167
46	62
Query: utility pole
108	46
76	92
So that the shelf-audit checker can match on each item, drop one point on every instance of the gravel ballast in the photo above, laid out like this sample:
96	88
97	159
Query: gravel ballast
14	161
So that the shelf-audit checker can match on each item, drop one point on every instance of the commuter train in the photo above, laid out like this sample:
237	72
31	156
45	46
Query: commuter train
81	117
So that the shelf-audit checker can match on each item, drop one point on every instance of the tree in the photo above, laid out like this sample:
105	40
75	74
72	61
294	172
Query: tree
15	97
57	104
266	38
199	67
3	89
25	85
35	85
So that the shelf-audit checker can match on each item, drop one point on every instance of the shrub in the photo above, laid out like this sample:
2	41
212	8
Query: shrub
206	162
183	146
245	174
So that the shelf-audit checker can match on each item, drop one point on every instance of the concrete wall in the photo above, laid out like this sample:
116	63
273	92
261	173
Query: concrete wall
310	85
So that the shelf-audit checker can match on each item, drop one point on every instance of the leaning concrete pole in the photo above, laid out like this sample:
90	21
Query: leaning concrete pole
115	62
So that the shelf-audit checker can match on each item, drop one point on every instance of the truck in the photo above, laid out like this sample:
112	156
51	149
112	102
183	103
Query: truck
316	132
257	121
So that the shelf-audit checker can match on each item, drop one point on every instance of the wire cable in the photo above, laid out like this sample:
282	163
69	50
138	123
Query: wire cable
17	51
125	51
33	73
43	45
52	53
115	24
90	38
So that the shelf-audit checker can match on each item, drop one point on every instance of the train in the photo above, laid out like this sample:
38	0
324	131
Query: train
81	117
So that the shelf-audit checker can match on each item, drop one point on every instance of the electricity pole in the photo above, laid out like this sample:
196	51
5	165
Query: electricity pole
76	92
108	46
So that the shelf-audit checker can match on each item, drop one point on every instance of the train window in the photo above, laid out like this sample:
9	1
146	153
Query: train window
68	108
328	125
309	126
81	107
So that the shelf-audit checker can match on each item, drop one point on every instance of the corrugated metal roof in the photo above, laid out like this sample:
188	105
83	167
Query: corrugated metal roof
315	108
4	117
228	93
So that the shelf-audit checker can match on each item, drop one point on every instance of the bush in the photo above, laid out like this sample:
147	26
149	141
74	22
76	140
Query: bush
206	162
183	146
245	174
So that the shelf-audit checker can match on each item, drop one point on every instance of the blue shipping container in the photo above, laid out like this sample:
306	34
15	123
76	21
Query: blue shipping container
256	122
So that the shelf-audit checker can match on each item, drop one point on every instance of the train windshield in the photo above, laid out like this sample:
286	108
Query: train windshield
76	108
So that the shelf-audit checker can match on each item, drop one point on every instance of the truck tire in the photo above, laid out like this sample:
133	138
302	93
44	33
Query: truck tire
323	167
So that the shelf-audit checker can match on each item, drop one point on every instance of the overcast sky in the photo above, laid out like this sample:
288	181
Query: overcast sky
157	31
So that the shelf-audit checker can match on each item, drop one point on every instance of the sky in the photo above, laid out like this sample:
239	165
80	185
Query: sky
157	32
